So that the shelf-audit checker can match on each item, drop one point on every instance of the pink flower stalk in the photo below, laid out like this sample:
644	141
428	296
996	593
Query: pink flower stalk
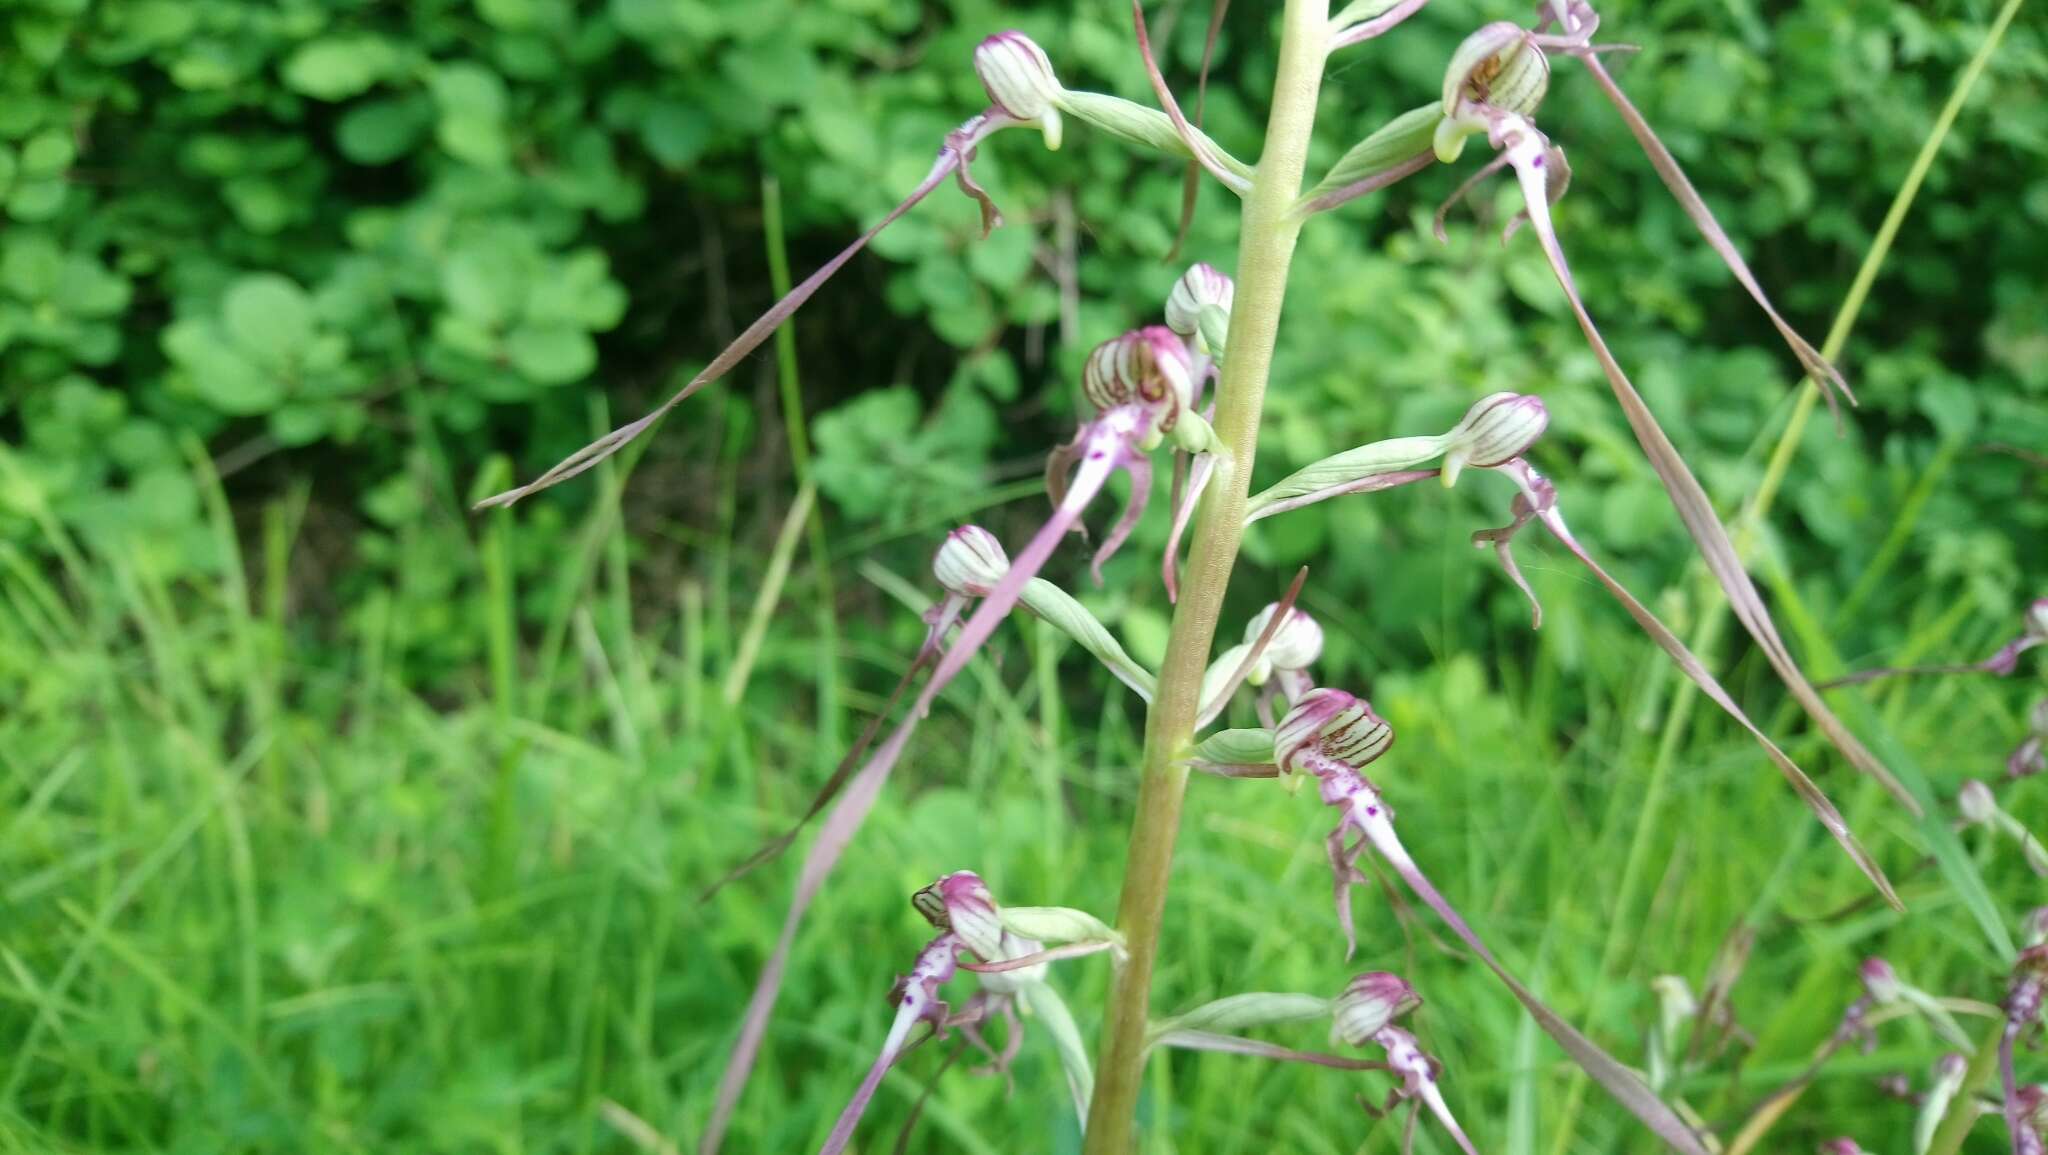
1418	1074
917	1001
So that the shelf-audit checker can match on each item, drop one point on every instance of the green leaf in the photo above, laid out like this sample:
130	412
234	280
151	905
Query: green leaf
218	373
381	131
551	354
47	154
484	284
338	67
472	125
675	132
269	317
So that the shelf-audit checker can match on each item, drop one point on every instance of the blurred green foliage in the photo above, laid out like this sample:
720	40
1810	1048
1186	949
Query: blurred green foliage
366	257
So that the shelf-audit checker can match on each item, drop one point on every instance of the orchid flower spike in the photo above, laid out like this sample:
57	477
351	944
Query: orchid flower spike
1979	807
1418	1073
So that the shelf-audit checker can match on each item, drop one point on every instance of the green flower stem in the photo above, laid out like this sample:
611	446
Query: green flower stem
1265	250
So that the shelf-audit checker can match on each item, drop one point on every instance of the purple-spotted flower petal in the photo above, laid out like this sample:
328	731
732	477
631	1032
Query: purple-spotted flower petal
916	996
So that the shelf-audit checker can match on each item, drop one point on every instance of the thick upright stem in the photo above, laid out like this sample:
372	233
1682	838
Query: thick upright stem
1265	248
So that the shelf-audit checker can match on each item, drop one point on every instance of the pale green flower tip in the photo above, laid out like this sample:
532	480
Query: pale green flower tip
1449	140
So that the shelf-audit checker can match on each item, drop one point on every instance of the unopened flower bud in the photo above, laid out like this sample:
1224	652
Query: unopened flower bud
2037	718
1203	286
1951	1068
2034	928
1334	725
1020	81
970	562
2037	618
1976	802
960	902
1496	430
1295	645
1148	366
1880	981
1369	1005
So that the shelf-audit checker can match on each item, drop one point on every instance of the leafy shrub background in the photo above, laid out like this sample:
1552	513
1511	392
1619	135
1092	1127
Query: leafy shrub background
365	245
367	258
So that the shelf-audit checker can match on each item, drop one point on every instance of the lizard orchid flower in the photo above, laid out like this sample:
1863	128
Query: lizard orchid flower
1142	386
965	564
1198	309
